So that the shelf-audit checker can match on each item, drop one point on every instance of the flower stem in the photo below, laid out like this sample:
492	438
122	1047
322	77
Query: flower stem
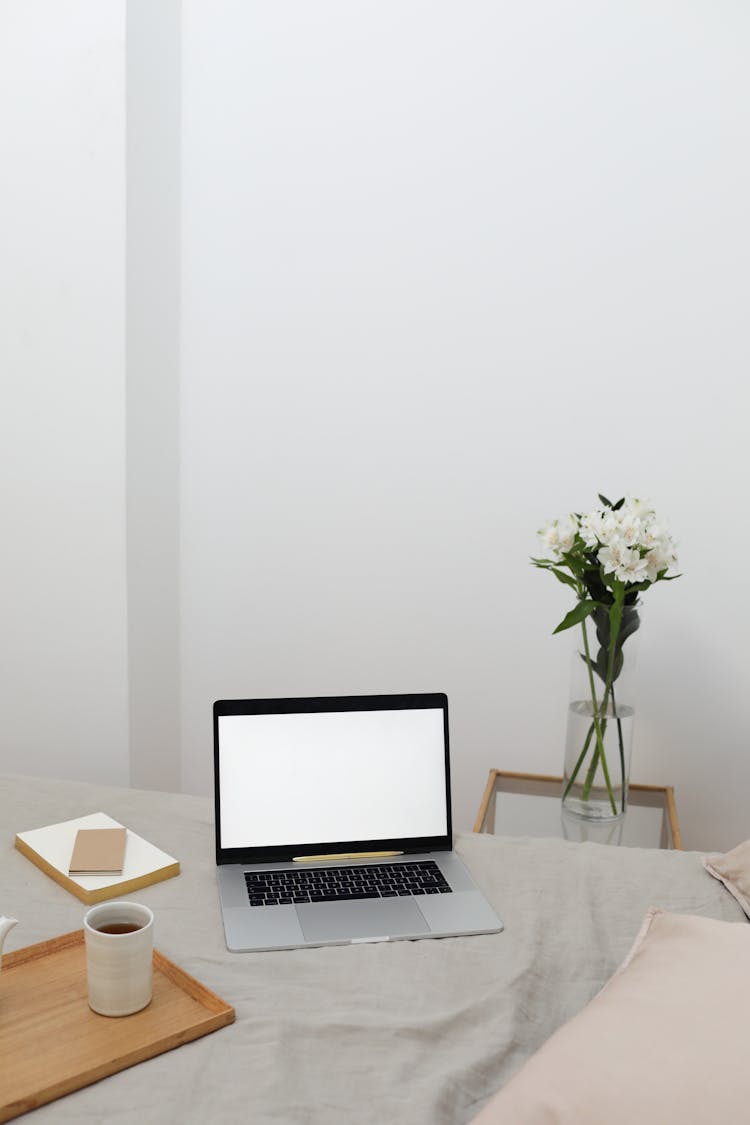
621	747
598	753
579	763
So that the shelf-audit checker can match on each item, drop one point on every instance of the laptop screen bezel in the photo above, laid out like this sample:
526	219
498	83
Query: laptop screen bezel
317	704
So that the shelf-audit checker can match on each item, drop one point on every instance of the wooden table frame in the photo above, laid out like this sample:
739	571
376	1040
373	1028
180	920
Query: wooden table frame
547	785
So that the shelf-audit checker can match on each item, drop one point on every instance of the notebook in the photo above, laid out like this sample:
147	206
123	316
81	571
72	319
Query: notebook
98	851
333	823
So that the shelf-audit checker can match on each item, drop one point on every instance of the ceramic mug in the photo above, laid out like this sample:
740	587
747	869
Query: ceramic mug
119	946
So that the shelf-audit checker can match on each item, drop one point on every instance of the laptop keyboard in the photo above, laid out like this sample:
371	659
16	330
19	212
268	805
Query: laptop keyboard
336	884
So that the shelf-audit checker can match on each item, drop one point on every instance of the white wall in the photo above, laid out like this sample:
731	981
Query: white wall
153	389
448	271
63	671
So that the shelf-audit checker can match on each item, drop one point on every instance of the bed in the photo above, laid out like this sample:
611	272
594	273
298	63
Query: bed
407	1032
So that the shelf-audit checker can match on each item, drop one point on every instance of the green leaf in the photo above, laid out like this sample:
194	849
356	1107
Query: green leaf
561	576
630	622
601	620
598	665
616	507
596	588
578	614
615	614
573	564
607	503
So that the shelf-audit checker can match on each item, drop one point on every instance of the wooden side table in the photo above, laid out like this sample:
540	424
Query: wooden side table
527	804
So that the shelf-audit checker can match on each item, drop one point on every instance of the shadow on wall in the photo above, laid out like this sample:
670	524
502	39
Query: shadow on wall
696	730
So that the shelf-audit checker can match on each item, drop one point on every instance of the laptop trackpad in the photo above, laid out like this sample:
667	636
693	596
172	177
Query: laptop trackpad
342	921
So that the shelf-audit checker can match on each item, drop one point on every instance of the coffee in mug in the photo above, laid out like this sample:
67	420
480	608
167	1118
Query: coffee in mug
118	928
119	952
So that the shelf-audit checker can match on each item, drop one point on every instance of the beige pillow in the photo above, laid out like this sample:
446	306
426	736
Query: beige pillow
664	1042
734	871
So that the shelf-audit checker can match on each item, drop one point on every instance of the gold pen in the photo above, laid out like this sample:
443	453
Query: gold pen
343	855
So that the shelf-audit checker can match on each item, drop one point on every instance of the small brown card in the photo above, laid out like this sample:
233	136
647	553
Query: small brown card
98	851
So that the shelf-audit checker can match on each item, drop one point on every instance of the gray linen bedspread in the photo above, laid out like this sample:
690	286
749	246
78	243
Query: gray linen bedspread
416	1032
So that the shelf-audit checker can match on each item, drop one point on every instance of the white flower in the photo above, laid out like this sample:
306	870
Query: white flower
599	526
640	508
657	540
609	548
559	535
626	563
652	534
629	527
589	528
612	556
661	557
633	569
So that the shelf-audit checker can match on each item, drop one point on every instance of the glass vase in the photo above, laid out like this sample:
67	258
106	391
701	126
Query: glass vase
601	716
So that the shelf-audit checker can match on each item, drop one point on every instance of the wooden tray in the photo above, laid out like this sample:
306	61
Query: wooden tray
52	1043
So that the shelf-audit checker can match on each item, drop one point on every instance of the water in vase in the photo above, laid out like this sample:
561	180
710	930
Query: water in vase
597	760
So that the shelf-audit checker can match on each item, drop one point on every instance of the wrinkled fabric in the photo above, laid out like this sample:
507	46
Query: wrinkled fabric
733	869
412	1032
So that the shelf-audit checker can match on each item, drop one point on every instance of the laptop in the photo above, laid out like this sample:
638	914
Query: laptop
333	823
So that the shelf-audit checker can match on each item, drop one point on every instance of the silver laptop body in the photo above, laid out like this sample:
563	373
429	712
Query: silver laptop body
333	823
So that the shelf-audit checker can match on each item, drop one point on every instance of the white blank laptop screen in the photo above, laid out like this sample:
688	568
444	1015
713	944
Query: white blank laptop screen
334	776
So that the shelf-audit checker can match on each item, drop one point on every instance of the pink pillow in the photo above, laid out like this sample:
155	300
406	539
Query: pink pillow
733	869
664	1042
